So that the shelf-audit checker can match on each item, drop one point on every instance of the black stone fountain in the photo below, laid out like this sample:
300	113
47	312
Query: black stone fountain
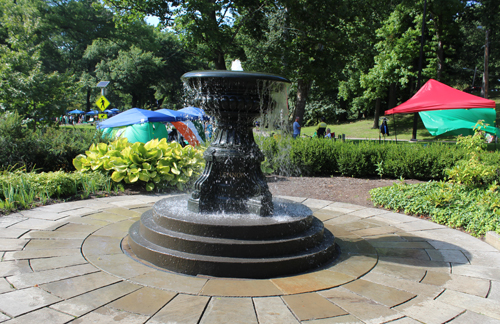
231	226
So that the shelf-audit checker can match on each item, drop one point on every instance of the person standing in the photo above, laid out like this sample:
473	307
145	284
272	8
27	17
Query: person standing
296	128
384	129
321	128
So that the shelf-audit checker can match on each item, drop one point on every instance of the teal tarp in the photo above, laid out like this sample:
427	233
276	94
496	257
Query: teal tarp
454	122
138	132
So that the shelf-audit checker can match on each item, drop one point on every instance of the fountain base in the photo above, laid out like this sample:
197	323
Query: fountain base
232	245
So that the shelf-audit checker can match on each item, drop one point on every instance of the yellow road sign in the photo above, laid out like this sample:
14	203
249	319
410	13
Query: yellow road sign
103	116
102	103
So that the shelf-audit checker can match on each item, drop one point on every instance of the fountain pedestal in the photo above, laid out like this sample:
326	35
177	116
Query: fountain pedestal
232	180
220	231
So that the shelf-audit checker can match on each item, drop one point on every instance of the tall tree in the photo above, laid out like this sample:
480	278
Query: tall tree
73	26
26	83
304	41
395	65
144	65
208	27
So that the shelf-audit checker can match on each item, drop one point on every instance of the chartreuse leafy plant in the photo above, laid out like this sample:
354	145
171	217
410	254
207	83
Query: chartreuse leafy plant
469	199
472	171
155	162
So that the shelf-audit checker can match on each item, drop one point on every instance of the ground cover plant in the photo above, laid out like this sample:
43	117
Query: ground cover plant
470	198
24	190
155	163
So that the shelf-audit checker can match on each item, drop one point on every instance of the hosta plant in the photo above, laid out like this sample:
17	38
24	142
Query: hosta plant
153	163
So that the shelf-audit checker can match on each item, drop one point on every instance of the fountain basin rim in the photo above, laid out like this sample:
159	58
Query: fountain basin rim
242	75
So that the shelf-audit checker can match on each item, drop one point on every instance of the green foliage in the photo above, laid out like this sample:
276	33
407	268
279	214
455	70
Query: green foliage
24	190
27	84
46	149
320	157
473	171
156	162
477	210
470	199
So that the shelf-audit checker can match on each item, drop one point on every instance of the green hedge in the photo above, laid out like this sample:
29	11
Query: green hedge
323	157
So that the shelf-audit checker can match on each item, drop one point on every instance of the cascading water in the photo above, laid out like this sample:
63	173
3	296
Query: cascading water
219	230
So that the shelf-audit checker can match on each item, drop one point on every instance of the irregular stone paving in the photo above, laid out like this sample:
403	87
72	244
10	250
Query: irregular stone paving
65	263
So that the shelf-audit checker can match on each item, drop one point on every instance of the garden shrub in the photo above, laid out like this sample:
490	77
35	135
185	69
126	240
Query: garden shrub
470	199
472	170
46	149
323	157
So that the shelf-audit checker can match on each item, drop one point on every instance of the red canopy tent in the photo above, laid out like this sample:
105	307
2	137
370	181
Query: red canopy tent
435	95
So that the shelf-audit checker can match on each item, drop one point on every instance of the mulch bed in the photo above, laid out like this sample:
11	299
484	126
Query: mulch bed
341	189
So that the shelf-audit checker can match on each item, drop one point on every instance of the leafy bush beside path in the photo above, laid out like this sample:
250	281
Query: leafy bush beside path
477	210
470	199
24	190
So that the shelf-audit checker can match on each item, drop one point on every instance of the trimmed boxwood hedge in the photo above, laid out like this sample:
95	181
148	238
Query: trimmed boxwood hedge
324	157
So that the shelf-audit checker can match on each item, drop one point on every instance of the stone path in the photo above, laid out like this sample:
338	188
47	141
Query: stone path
66	263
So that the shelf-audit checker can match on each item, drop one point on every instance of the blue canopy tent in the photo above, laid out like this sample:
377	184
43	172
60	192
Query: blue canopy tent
115	109
76	111
172	113
92	113
191	113
137	125
135	116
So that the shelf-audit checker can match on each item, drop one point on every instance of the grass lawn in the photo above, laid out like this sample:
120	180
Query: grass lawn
84	126
404	127
363	129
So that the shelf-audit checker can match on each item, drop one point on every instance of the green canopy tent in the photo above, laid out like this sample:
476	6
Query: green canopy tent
455	122
138	132
137	125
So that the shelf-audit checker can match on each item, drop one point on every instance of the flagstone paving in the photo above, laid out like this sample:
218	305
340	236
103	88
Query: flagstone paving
71	263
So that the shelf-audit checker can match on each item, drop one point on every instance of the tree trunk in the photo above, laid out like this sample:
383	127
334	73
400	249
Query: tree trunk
440	49
376	115
392	96
303	88
220	61
88	99
135	100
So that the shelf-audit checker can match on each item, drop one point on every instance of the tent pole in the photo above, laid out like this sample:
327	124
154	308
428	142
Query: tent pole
395	132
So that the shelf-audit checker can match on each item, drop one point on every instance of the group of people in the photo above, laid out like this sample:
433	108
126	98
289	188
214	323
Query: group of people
322	129
70	120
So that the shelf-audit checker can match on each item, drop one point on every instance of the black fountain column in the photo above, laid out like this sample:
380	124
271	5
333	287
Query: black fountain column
232	180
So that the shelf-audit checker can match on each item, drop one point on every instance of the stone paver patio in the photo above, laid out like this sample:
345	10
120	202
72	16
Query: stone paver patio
70	263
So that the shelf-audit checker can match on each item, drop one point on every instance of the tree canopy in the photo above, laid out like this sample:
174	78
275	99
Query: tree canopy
346	59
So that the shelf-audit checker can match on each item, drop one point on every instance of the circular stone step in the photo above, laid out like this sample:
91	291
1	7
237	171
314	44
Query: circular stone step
232	245
243	248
